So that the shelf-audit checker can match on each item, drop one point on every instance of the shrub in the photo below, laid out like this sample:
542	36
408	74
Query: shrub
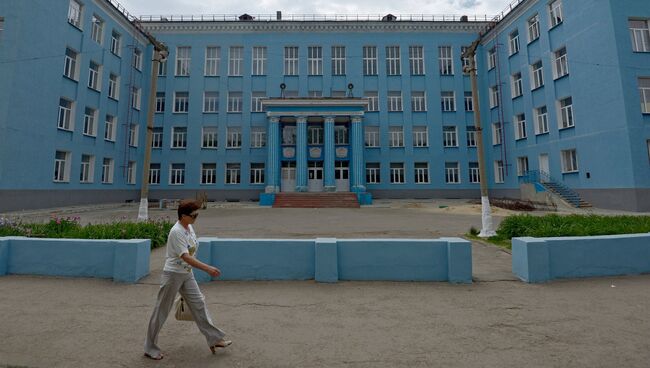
572	225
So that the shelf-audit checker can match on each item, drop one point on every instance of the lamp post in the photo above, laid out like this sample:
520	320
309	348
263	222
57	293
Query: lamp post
160	55
487	228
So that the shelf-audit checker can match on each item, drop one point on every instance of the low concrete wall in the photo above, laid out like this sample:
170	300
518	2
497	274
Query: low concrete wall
543	259
121	260
330	260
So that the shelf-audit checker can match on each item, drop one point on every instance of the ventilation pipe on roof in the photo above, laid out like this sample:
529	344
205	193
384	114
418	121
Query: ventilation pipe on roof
278	15
463	18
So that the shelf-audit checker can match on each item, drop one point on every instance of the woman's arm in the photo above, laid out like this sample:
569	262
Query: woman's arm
211	270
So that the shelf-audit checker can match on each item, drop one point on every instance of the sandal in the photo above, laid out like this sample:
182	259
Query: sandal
220	344
159	357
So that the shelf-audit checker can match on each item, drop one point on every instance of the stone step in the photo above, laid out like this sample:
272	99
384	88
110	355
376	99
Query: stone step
316	200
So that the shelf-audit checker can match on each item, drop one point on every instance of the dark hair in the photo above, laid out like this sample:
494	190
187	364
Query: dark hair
187	206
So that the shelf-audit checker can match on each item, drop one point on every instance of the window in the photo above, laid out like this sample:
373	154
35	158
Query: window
154	174
338	60
137	58
514	42
569	161
421	173
394	101
644	92
136	94
157	138
94	76
373	171
210	102
555	12
373	100
536	75
566	113
209	137
107	170
560	65
315	60
449	136
70	64
258	137
541	120
110	128
183	60
397	173
471	136
131	172
640	33
234	101
466	61
233	137
160	101
492	58
66	111
393	66
179	137
289	135
494	96
522	165
62	167
533	28
235	60
452	173
474	173
116	43
469	101
371	135
341	134
162	68
87	170
181	102
520	126
177	174
446	60
208	173
418	101
259	60
396	136
133	135
90	119
256	101
291	60
97	29
74	13
498	171
212	60
497	133
370	60
257	173
314	134
114	86
517	85
420	136
416	59
447	101
233	172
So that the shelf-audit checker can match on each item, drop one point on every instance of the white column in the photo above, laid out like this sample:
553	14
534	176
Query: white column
273	159
358	180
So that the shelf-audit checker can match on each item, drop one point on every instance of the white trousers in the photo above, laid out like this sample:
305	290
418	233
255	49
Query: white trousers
185	284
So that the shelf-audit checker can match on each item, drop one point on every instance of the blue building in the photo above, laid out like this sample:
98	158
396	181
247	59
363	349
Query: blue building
253	106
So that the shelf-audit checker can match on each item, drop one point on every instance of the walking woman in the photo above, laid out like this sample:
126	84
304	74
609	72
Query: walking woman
177	277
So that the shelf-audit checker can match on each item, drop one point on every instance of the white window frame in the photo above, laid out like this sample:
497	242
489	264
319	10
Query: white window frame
108	170
420	136
522	165
131	172
75	11
469	101
110	128
474	173
114	87
513	42
176	174
61	167
371	137
517	85
94	76
449	136
499	176
235	102
393	60
541	120
233	173
235	61
644	94
397	173
97	29
154	174
160	102
338	60
373	100
394	100
233	138
565	111
66	116
536	75
71	64
494	96
315	60
291	60
341	134
497	132
452	173
416	60
212	61
520	126
183	61
448	102
208	173
87	170
258	137
560	63
258	64
315	135
492	58
136	97
569	161
179	138
418	101
90	122
471	136
533	28
256	101
421	171
209	137
157	137
373	173
370	60
640	34
446	60
210	102
396	136
181	102
133	135
116	43
257	172
137	59
555	13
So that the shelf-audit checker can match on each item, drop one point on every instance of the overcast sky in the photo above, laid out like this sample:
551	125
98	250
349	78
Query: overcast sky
253	7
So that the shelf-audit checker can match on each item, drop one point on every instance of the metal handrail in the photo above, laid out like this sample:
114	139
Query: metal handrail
535	176
314	17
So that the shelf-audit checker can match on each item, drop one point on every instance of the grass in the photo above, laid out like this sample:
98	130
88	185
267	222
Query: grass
571	225
70	228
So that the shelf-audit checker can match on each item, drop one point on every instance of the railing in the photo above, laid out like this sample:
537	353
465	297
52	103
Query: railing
315	17
542	177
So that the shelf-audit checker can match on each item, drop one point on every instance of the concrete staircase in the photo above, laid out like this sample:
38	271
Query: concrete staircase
569	196
316	200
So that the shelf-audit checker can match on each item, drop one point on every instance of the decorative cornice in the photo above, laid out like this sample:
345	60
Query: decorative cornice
330	26
120	19
273	114
286	102
506	22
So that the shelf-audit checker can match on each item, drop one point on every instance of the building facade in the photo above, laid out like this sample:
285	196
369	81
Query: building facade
246	107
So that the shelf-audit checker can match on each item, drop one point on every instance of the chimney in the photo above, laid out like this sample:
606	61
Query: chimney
463	18
278	15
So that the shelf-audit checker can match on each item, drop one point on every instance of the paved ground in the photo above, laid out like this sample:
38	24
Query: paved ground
495	322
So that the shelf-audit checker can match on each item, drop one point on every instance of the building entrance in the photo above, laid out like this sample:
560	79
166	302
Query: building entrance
315	176
342	176
288	183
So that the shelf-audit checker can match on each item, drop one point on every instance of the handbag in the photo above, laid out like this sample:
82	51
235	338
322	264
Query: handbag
182	311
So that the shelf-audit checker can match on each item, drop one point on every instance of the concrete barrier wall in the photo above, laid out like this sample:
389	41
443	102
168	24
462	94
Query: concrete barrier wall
543	259
330	259
121	260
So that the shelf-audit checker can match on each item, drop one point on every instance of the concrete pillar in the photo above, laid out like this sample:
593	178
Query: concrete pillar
356	157
329	183
273	159
301	154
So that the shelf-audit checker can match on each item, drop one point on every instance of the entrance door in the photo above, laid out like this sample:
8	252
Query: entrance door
315	176
288	182
342	176
543	167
